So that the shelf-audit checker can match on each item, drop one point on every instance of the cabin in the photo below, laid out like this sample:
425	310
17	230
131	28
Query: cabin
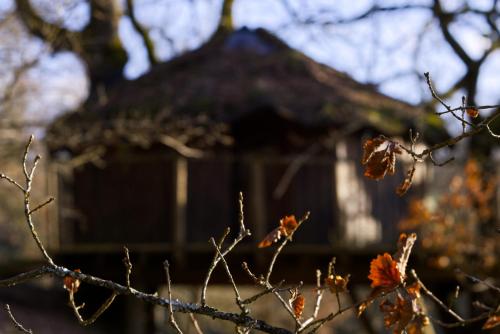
157	163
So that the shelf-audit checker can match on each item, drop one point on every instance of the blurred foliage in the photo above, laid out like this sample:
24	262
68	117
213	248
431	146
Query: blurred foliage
456	227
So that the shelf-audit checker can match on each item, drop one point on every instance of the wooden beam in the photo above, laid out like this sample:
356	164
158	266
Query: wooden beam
180	191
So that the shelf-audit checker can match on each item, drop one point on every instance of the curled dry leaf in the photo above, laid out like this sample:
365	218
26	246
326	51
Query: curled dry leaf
405	245
472	112
298	301
397	314
337	284
414	290
417	325
384	272
493	321
370	146
288	225
406	184
379	160
71	284
270	238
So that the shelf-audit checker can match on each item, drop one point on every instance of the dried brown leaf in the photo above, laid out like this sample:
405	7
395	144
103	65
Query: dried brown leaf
398	315
369	148
270	238
298	303
472	112
384	272
288	224
493	321
337	284
405	245
71	284
406	184
379	162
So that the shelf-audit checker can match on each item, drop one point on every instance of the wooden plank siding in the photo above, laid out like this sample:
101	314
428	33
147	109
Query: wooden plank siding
142	201
128	202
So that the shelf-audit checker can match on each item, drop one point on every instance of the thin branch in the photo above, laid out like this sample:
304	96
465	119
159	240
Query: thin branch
24	277
128	266
257	280
491	131
29	175
39	206
154	299
243	232
447	107
171	318
148	43
12	181
268	286
196	326
440	164
478	280
265	292
282	245
461	323
319	296
241	214
96	315
212	268
331	269
231	279
437	300
25	158
16	323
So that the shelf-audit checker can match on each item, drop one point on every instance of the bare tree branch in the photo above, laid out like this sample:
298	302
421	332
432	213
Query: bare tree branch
148	43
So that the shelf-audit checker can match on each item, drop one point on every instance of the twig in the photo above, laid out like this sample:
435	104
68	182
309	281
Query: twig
478	280
496	106
491	131
213	264
268	286
462	323
319	297
16	323
171	318
25	157
29	174
231	279
282	245
265	292
27	194
96	315
128	266
196	326
243	232
39	206
241	214
319	294
447	107
436	299
435	163
257	280
331	268
12	181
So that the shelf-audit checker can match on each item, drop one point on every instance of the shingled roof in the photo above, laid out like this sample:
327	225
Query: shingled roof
196	98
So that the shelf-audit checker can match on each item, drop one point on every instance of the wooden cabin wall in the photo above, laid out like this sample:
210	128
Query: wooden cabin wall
370	210
310	189
211	201
135	200
128	201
